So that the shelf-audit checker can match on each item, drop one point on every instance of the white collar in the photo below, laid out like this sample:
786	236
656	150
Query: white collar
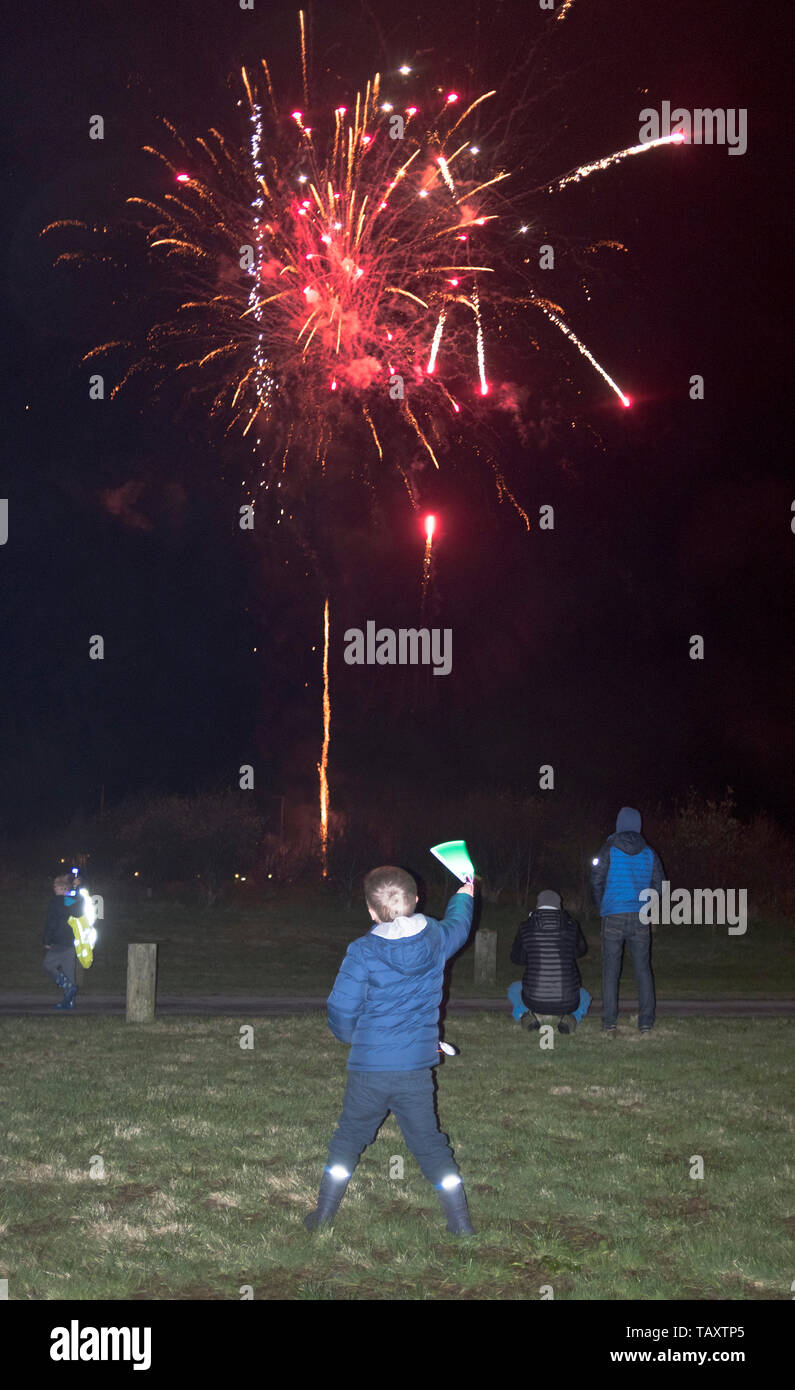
402	926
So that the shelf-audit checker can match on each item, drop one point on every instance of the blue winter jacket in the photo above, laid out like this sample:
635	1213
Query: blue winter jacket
624	866
386	996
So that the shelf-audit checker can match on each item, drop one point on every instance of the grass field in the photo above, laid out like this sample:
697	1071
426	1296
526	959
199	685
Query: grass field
576	1163
292	943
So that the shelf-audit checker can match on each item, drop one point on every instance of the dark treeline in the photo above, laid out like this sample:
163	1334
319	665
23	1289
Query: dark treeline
192	847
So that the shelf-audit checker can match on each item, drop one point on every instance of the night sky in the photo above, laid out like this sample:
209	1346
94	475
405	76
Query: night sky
570	647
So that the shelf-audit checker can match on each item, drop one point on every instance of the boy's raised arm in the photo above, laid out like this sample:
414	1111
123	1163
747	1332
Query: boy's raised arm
346	1001
457	921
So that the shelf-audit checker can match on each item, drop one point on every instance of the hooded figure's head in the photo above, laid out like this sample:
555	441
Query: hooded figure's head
628	819
548	899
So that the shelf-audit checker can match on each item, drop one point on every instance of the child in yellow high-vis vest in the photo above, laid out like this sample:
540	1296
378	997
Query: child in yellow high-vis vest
60	957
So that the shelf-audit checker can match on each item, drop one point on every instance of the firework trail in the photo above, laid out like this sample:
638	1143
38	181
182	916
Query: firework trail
430	526
572	337
576	175
322	766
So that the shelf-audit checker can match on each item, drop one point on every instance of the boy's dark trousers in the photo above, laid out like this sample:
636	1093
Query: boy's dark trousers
63	959
616	929
369	1096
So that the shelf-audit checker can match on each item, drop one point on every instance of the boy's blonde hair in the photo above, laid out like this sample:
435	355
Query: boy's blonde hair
390	892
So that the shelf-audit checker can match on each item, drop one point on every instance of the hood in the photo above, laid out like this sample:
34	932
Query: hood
628	841
548	918
409	944
400	928
628	819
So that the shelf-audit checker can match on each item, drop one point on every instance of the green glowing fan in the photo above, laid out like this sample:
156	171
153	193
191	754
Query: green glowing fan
455	857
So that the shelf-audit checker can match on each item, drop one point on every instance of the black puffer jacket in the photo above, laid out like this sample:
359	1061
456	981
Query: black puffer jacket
547	945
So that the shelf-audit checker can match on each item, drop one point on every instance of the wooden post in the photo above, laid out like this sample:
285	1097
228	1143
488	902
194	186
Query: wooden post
486	957
141	981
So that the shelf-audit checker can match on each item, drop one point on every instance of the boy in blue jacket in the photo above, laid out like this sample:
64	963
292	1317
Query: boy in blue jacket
385	1003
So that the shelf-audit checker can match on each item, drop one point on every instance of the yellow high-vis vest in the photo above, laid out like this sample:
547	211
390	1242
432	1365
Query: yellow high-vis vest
84	931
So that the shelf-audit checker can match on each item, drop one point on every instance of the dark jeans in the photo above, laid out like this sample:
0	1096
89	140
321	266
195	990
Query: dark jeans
61	958
410	1095
626	926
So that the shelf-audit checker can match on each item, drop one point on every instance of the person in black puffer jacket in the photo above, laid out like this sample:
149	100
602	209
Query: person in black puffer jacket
548	945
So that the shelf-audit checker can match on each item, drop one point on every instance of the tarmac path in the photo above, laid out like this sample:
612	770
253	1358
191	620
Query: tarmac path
251	1006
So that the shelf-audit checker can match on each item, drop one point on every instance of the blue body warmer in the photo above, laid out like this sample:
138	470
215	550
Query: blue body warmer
624	867
627	876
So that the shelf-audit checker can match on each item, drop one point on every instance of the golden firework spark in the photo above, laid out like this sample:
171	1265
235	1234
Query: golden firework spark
322	766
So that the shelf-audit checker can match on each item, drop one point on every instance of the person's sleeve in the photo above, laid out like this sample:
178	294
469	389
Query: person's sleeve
657	874
457	923
580	944
599	872
346	1001
49	925
517	950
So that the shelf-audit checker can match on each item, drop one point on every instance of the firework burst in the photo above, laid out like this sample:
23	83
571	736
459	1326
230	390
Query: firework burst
338	277
338	273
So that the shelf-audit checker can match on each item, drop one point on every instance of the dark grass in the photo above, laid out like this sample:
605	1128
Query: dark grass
577	1164
291	943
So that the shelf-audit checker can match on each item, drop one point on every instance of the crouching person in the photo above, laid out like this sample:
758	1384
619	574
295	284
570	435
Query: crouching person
548	945
385	1003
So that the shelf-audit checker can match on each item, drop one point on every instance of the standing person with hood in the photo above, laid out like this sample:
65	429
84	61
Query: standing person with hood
623	868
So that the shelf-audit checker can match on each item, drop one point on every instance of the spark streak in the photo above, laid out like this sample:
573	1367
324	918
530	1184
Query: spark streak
322	766
484	385
584	170
430	526
564	328
437	338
